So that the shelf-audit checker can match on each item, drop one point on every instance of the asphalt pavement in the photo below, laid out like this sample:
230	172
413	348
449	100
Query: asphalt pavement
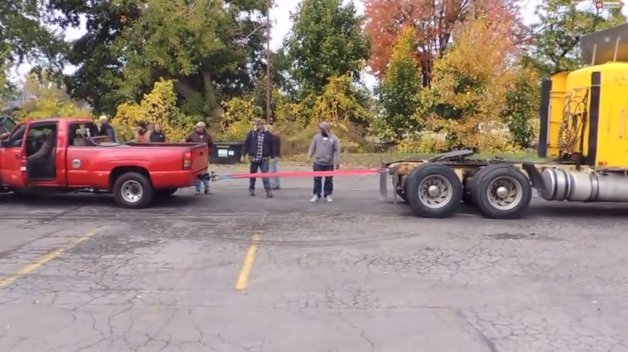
230	272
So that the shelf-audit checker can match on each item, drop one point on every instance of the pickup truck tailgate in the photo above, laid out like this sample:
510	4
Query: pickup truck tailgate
200	158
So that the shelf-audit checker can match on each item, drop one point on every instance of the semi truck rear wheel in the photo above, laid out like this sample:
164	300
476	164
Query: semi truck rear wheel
434	191
133	190
501	192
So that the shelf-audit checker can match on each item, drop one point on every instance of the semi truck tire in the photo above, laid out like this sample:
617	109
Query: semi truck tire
434	191
501	192
133	190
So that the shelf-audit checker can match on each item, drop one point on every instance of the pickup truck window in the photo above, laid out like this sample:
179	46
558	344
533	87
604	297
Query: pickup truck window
37	134
81	133
15	141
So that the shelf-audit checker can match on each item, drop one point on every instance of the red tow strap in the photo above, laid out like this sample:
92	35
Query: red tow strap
297	174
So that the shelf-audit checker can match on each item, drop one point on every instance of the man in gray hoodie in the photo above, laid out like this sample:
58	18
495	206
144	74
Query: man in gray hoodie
325	149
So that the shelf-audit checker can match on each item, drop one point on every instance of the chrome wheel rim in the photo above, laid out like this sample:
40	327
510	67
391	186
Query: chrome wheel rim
132	191
504	193
435	191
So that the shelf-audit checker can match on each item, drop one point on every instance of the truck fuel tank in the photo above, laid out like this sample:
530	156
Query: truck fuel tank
583	186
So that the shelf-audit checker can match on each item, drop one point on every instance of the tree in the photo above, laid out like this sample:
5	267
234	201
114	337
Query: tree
471	84
159	106
433	22
522	106
561	22
210	49
238	118
400	88
326	41
43	98
24	37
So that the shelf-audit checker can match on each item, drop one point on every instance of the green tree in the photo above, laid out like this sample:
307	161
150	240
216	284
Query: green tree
522	106
24	36
560	23
44	98
401	86
210	49
326	41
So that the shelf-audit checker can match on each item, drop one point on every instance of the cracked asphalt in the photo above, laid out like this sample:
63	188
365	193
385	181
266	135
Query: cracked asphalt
360	274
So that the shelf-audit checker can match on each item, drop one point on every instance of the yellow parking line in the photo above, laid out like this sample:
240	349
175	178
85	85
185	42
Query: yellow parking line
39	262
248	263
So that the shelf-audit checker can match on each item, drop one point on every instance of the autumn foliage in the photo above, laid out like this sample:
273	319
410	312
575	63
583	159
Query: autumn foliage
433	22
471	85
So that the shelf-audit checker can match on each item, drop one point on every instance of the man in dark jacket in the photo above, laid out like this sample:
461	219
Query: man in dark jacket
106	129
259	147
201	135
157	135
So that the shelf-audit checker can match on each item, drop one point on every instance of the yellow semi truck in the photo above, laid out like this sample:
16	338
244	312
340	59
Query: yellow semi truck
583	135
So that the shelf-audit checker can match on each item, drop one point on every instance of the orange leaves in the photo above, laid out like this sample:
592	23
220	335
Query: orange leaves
472	82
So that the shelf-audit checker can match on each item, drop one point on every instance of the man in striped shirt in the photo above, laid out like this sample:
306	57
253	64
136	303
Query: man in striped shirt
259	147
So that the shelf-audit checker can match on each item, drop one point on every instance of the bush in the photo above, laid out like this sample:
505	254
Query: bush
157	107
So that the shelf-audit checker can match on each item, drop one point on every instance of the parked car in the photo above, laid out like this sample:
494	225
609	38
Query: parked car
80	160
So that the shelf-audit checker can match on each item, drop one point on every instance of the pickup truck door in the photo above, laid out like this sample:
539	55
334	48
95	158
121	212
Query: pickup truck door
13	159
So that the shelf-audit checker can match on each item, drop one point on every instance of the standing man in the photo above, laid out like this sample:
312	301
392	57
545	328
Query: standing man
200	135
157	135
141	133
259	147
274	162
106	129
325	149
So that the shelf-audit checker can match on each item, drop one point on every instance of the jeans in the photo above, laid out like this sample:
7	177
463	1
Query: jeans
262	166
329	180
201	179
274	167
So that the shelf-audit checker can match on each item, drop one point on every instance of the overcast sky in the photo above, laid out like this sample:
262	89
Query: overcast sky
281	27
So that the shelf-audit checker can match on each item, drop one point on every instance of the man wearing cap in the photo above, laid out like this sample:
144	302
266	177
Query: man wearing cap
325	149
259	147
200	135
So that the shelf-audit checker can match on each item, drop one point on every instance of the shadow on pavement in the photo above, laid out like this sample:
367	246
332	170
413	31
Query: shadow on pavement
545	209
88	200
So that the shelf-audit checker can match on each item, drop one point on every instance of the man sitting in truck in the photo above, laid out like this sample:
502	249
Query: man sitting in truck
37	163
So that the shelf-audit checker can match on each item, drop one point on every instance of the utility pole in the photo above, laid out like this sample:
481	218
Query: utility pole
268	86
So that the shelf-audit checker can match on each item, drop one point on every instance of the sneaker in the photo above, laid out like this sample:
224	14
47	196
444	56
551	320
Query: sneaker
269	193
252	192
329	199
315	198
206	190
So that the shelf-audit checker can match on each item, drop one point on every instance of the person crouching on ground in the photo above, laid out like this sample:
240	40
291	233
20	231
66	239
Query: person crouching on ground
325	149
274	163
259	147
200	135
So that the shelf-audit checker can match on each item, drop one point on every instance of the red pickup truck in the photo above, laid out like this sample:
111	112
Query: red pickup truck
67	155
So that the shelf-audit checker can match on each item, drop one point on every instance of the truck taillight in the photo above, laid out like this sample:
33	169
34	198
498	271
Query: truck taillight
187	160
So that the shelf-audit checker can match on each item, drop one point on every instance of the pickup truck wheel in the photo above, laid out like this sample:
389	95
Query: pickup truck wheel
502	192
133	190
434	191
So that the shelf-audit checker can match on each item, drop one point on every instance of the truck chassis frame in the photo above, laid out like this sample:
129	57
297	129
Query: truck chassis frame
501	189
